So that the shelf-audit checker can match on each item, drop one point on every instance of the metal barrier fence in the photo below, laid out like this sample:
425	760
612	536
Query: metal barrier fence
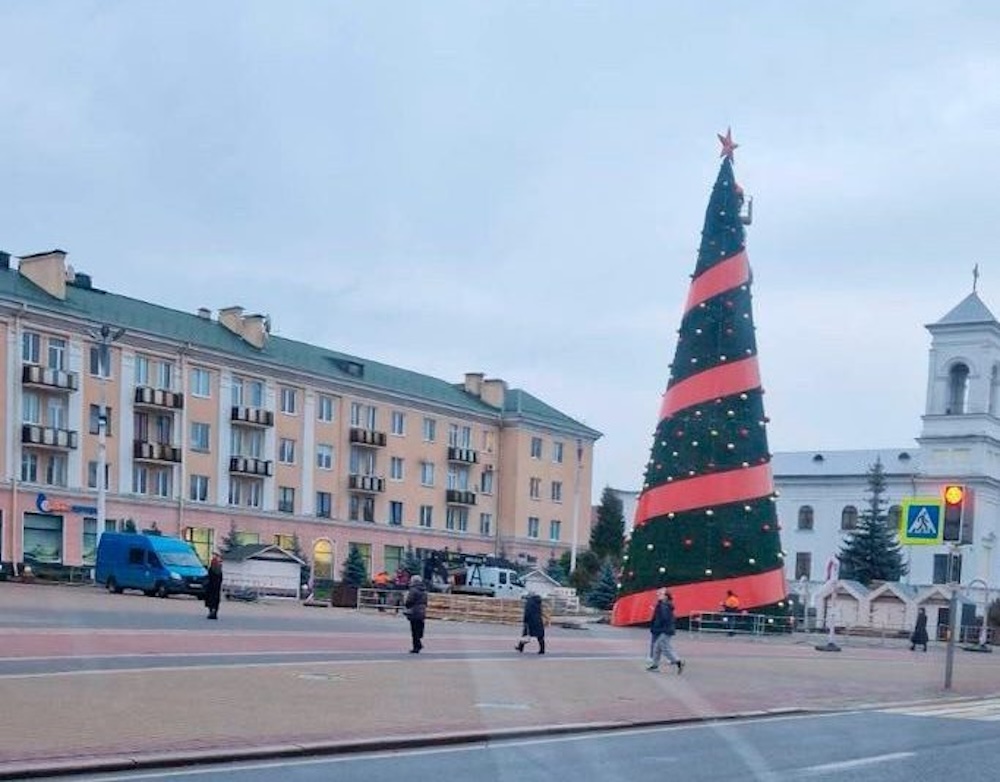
738	623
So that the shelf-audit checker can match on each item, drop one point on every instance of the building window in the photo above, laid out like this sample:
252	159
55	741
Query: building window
95	363
803	565
485	523
398	422
557	491
365	550
459	436
286	499
140	480
55	470
806	517
31	348
162	482
94	420
426	473
396	468
456	519
201	382
392	557
941	568
427	516
289	398
535	488
57	353
246	492
849	518
396	513
533	525
246	442
90	538
43	538
488	440
430	430
486	482
201	436
198	488
364	416
958	389
29	467
536	447
202	540
324	456
458	477
324	504
31	408
286	451
92	475
236	392
555	529
324	410
141	371
165	375
55	412
362	461
255	393
557	452
362	508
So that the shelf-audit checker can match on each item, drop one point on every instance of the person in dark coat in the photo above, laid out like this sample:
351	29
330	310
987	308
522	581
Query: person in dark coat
534	624
213	587
919	636
662	629
416	612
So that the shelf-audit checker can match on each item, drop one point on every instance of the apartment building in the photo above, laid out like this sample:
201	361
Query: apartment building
214	424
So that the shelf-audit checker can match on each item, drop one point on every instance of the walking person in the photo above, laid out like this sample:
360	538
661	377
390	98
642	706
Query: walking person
663	628
731	605
534	624
919	636
416	612
213	587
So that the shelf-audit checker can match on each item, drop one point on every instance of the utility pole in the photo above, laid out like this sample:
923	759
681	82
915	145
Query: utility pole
953	623
104	338
576	506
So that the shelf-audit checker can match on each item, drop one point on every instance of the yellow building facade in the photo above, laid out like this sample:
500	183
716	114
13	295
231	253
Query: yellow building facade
217	428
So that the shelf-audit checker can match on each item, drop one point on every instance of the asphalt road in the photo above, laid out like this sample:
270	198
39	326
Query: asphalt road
869	746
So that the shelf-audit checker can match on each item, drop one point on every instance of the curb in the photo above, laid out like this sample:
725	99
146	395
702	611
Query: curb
124	761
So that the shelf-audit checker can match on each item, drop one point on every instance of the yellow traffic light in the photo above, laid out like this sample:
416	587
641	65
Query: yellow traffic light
953	495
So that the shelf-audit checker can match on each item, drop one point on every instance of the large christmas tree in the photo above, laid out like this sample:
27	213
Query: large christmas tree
706	521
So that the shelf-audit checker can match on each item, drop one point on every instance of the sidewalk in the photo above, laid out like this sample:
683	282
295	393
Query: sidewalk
471	687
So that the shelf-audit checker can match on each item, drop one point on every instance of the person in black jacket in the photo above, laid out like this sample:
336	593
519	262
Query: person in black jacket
534	624
919	636
416	612
662	629
213	587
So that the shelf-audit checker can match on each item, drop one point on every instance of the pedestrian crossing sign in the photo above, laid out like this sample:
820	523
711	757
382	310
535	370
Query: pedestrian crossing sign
920	521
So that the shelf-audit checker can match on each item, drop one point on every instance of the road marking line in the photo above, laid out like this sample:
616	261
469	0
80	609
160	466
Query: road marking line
844	765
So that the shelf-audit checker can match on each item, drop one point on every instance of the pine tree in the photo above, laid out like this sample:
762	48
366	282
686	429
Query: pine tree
306	572
871	551
556	571
706	521
231	539
355	571
607	536
588	565
411	562
605	588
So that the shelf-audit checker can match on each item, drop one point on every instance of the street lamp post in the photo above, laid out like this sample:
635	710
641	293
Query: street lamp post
104	338
576	506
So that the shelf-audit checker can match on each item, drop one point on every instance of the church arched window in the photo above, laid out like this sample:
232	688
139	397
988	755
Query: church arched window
958	389
806	517
849	517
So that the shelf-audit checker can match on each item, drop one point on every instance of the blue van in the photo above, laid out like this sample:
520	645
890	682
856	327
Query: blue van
156	564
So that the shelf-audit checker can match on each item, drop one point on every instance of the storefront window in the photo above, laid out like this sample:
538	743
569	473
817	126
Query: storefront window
201	540
90	538
323	560
43	538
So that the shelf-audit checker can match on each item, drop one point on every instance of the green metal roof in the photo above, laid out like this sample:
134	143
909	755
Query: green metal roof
137	316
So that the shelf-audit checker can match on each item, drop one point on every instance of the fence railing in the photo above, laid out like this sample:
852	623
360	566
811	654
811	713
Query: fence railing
738	623
455	608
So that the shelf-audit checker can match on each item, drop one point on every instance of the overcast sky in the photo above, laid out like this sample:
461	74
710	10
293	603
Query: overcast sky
519	188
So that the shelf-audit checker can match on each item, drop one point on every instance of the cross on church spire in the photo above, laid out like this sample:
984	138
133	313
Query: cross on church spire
975	277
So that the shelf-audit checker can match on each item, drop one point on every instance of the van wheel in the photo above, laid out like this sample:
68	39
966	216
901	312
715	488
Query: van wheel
161	591
112	586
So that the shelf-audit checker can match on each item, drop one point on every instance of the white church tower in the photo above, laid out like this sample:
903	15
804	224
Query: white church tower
960	439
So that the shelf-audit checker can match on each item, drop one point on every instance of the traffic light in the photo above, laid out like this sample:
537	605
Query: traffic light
954	510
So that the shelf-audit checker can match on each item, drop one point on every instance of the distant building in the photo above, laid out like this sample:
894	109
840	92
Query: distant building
213	421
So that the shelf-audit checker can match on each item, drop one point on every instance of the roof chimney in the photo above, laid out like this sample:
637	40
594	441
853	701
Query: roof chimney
474	383
47	271
255	329
494	392
232	319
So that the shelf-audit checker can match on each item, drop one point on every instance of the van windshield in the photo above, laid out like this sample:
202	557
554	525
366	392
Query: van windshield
180	559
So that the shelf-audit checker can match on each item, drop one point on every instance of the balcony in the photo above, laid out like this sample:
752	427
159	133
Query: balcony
367	484
459	497
48	437
49	379
463	455
147	396
251	416
361	436
248	465
143	451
